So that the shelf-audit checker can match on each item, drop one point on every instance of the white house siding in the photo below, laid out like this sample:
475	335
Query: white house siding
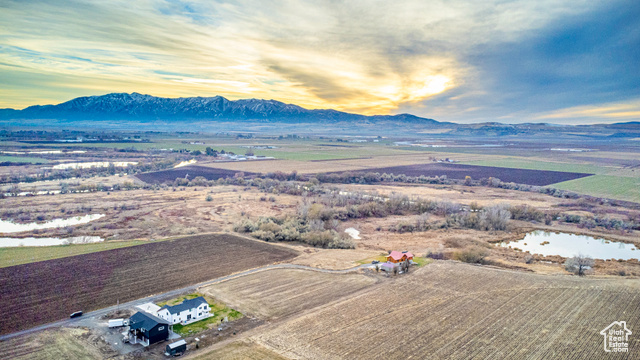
201	312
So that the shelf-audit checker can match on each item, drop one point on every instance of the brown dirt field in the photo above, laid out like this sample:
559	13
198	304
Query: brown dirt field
484	196
241	350
51	290
334	259
455	310
312	167
273	294
61	343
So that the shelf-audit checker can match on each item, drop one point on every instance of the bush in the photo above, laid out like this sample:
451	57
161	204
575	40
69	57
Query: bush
209	198
472	255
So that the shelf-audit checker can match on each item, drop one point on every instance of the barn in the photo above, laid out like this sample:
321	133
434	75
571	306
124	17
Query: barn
147	329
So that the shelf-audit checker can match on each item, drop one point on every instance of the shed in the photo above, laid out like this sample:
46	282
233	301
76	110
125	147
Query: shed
176	348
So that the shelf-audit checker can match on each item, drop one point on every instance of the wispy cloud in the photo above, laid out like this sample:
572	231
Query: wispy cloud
451	60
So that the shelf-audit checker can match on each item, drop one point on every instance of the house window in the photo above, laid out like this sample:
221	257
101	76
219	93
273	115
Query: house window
199	314
161	328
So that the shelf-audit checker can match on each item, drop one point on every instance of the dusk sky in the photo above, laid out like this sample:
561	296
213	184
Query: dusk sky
464	61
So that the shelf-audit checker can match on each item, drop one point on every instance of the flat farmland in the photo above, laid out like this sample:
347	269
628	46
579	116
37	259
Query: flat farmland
458	171
192	171
450	310
613	187
51	290
281	292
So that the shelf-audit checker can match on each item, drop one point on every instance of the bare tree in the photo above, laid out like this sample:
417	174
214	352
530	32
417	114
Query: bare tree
579	265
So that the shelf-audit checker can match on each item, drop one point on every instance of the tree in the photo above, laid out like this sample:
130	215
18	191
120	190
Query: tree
579	265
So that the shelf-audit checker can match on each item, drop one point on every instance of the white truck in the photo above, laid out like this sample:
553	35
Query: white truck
114	323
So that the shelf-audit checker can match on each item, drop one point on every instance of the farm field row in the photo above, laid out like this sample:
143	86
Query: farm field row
455	310
614	187
51	290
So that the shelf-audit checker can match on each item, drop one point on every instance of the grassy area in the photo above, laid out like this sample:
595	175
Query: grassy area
614	187
24	255
382	258
23	159
219	310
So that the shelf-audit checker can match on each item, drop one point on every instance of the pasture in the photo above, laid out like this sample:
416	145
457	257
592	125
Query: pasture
51	290
613	187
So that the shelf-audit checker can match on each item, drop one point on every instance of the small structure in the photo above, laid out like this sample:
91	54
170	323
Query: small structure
147	329
176	348
186	312
398	257
388	267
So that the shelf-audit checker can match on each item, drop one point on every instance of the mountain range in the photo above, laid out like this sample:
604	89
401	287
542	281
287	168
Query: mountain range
172	113
123	106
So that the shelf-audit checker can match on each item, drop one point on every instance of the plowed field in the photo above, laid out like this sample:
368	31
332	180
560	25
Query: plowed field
41	292
456	311
280	292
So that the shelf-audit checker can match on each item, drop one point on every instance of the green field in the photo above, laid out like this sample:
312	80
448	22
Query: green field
24	255
614	187
23	159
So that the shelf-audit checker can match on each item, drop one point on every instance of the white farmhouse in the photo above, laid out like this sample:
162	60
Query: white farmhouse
186	312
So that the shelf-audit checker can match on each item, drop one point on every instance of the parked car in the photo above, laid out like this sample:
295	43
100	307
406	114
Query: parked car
76	314
375	262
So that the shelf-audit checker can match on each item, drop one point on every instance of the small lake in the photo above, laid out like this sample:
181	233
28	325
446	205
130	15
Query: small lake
31	241
569	245
11	227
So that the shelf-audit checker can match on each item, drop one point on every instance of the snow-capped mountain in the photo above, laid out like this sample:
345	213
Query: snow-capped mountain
123	106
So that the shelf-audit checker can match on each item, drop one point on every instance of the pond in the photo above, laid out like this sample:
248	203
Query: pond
11	227
31	241
569	245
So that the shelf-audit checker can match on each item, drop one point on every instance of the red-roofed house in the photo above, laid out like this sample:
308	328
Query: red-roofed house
396	257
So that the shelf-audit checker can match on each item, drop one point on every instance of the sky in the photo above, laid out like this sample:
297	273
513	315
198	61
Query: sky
568	62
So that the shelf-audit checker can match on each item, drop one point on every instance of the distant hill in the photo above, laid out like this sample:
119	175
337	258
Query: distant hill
122	106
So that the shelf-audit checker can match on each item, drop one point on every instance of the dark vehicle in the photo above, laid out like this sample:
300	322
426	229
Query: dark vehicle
76	314
375	262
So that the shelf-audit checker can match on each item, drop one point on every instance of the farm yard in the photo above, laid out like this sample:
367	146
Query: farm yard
454	310
51	290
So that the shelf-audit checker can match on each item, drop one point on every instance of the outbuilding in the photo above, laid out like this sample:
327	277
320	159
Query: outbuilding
176	348
147	329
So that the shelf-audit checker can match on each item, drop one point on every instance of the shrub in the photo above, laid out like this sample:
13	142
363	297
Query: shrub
471	255
209	198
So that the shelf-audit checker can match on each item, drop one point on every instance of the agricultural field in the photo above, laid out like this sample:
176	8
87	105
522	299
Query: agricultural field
458	171
448	310
241	350
61	343
51	290
23	255
277	293
192	171
613	187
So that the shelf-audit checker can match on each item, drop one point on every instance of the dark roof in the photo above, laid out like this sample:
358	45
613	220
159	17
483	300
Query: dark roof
144	320
185	305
